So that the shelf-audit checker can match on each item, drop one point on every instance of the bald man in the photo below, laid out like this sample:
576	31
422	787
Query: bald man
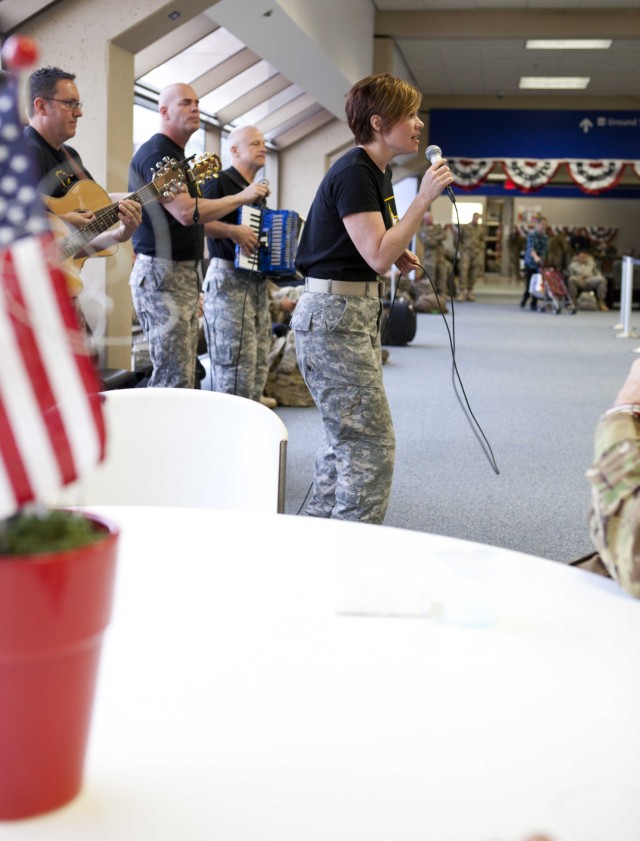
169	245
236	303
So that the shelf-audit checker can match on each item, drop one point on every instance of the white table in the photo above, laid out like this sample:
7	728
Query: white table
242	697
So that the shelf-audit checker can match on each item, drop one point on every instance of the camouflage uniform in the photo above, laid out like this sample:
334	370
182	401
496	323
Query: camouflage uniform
165	280
165	296
471	261
238	330
338	347
559	253
433	260
615	498
586	276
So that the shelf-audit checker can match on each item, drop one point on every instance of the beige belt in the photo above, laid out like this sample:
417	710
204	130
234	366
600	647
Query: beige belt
366	288
219	263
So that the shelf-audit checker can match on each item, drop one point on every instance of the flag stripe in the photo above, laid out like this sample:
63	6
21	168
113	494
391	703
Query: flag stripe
24	327
8	499
86	371
21	409
51	424
13	465
67	363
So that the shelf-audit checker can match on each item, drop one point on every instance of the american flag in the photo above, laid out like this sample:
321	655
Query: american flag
51	424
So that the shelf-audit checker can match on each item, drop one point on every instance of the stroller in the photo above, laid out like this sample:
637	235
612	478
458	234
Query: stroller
548	286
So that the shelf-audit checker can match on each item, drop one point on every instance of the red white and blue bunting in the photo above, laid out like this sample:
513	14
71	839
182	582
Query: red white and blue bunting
602	235
530	175
468	174
594	176
591	176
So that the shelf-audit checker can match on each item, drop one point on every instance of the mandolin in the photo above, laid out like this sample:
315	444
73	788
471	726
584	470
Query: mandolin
169	178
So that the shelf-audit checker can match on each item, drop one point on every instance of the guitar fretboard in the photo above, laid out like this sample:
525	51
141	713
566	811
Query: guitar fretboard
104	219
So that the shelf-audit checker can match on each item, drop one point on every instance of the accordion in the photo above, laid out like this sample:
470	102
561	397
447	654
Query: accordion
277	232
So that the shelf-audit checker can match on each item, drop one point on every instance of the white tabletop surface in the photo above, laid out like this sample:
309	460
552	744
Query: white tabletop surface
289	679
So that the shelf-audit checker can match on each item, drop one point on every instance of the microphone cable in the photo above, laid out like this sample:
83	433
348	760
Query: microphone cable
455	374
456	379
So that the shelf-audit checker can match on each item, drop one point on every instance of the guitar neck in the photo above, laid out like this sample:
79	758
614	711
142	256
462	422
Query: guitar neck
104	219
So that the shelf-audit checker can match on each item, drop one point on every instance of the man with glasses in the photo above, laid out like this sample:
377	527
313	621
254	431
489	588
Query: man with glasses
54	110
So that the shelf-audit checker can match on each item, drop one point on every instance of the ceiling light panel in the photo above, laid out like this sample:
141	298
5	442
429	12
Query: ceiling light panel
555	83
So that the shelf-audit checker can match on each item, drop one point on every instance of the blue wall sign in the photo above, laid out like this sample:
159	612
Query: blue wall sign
536	135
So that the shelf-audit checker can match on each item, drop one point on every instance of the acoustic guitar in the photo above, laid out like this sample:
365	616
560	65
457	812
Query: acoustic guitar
170	177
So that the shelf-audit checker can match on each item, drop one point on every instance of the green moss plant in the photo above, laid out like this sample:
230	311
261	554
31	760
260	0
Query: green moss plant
33	533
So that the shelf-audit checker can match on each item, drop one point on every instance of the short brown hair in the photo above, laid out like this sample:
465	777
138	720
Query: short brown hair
390	98
43	83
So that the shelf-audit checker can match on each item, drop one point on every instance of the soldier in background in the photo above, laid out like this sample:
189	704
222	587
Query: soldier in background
614	521
438	268
560	252
584	275
515	243
285	384
579	240
471	262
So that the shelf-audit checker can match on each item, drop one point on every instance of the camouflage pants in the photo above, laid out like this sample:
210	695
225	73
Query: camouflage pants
575	286
238	330
471	266
165	296
438	270
338	348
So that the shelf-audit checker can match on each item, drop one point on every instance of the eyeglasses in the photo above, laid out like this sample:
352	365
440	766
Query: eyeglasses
71	104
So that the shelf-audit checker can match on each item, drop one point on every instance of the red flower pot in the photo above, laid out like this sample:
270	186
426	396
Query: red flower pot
54	609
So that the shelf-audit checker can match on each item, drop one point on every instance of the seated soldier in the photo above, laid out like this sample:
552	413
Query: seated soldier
614	477
584	275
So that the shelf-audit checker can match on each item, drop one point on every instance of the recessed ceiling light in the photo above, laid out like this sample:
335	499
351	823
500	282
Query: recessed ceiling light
569	44
554	82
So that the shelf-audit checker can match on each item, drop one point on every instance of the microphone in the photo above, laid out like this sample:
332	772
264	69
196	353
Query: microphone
434	154
263	201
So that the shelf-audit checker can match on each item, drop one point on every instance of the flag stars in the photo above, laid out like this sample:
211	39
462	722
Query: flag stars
19	163
26	195
9	132
9	184
36	225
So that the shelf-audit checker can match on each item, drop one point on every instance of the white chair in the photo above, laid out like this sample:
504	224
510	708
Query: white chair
183	447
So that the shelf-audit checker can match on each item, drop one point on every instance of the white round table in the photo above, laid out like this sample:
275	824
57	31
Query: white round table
288	679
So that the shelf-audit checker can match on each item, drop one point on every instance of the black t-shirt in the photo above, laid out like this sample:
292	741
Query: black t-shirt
217	188
54	172
354	184
160	235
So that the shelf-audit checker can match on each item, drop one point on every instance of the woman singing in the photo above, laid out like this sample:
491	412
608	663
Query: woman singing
352	235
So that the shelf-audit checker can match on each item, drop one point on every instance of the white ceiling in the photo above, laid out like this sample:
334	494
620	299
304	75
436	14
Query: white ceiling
476	48
458	52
